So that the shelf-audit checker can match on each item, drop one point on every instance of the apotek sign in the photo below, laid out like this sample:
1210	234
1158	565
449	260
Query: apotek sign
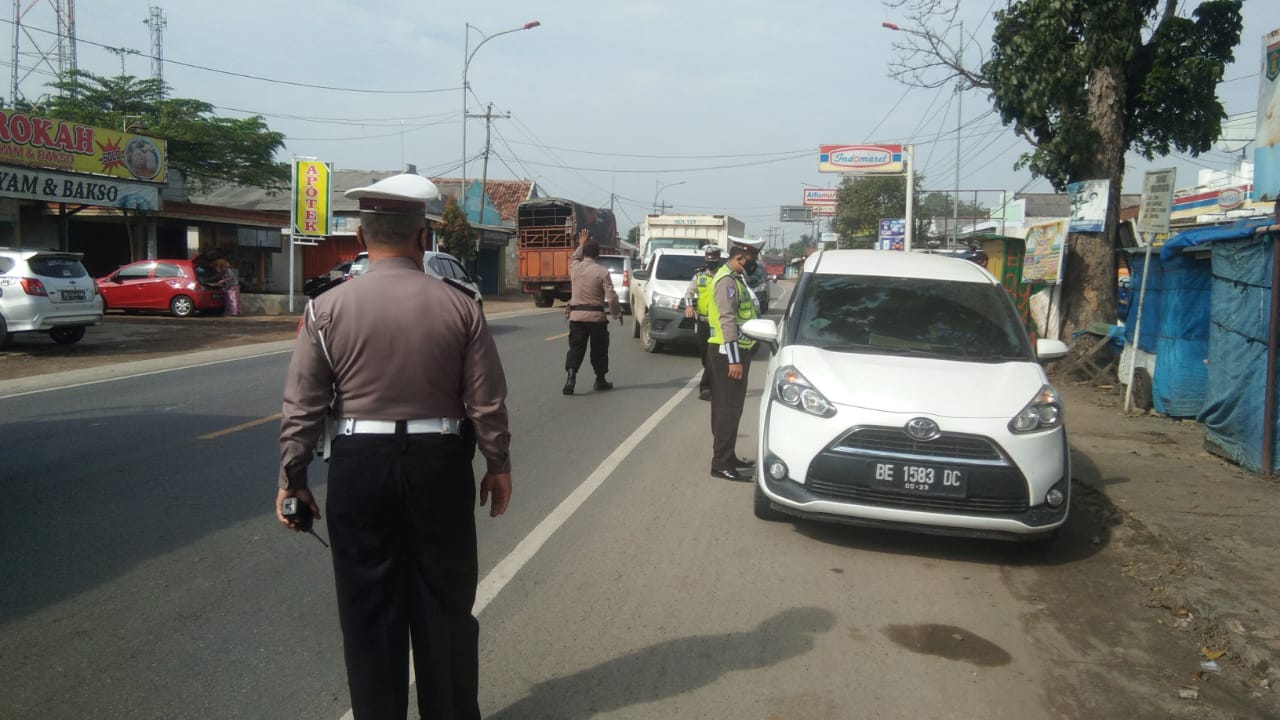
311	198
857	159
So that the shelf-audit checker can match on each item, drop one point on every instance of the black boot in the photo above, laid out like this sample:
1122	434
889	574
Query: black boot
570	381
602	384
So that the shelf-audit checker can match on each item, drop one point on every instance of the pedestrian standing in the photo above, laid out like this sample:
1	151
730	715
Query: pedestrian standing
591	304
729	360
412	375
697	303
230	281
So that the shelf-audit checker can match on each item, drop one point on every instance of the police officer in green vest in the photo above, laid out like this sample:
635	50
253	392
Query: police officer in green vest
729	355
697	303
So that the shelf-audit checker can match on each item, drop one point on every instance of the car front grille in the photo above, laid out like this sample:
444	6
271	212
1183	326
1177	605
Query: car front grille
895	441
843	472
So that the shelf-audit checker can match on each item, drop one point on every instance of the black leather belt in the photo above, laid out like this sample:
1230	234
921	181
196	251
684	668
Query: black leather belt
595	308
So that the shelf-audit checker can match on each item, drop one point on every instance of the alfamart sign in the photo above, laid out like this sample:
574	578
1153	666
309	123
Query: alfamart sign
41	142
857	159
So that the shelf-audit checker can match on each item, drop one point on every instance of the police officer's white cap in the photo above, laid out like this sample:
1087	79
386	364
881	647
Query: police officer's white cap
401	194
711	250
746	244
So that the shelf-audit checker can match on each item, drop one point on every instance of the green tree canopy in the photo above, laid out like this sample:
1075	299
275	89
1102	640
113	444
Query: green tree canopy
208	150
861	203
455	234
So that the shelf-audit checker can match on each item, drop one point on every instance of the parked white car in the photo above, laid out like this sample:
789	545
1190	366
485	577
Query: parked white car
46	291
904	392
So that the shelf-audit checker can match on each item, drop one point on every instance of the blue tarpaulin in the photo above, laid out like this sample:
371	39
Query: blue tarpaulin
1175	327
1200	236
1238	329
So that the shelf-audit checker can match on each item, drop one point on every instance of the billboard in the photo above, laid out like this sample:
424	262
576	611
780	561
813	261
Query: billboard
48	186
1088	205
311	213
893	234
861	159
1045	244
796	213
41	142
1266	153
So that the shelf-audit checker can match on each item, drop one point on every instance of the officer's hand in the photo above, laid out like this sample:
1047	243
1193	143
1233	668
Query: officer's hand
303	495
688	311
500	485
735	371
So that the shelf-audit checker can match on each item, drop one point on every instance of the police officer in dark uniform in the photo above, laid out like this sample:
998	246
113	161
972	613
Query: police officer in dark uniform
697	301
591	304
729	355
407	367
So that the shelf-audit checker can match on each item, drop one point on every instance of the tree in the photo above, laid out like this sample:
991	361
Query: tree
862	202
207	150
455	234
1084	81
633	235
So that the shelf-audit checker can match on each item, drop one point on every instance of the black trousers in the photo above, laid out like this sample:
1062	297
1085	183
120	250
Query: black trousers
598	335
727	398
401	518
703	332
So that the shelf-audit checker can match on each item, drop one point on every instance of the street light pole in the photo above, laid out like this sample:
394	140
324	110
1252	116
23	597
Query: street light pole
467	53
658	188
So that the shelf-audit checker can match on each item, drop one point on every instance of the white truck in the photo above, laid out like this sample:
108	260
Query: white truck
686	232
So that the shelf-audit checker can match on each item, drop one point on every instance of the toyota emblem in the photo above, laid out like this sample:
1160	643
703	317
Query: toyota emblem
922	429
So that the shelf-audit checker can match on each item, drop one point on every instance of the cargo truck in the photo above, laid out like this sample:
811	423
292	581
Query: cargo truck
547	232
687	232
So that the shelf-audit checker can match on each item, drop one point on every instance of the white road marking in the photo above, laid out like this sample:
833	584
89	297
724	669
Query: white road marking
506	569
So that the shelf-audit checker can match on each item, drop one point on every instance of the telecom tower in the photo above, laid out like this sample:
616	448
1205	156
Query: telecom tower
157	23
35	49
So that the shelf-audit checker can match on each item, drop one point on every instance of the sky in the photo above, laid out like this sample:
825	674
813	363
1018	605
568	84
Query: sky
703	105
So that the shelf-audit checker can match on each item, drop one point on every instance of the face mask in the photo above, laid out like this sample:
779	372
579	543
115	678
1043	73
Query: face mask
749	267
713	264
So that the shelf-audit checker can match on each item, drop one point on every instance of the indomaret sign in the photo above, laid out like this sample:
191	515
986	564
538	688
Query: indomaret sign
311	213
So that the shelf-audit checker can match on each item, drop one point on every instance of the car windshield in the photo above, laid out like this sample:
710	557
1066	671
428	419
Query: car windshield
678	267
56	266
613	263
909	316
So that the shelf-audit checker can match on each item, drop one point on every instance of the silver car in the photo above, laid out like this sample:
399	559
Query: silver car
619	267
46	291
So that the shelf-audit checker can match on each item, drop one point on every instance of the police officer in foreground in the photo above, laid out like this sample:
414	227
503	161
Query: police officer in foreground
413	377
697	301
592	296
729	355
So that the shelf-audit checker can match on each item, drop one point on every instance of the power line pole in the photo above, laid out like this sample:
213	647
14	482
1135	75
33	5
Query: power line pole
489	117
157	22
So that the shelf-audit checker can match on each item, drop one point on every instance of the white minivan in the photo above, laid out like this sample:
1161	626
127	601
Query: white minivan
904	392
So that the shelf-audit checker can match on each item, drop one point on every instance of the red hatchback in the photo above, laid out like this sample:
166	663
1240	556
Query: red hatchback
181	287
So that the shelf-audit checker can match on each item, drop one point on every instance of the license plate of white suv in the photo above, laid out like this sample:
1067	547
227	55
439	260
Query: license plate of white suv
919	479
72	294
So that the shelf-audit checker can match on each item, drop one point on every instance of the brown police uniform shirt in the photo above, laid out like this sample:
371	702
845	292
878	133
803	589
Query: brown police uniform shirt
591	286
404	346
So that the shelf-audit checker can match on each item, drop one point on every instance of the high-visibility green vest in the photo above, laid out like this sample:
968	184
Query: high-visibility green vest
702	281
746	308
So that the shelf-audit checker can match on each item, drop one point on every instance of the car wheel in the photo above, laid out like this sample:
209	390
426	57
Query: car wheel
5	335
182	306
764	509
635	326
543	300
646	339
67	335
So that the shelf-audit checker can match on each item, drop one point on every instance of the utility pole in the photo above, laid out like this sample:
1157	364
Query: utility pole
489	117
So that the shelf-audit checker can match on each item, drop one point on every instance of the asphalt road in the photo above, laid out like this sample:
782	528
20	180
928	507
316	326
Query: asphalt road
146	576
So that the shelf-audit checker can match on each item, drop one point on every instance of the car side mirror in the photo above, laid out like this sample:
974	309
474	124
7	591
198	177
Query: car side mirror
1047	349
764	330
116	279
640	275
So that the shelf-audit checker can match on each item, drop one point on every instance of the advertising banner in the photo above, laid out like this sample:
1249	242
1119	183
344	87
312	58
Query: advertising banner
1046	244
893	234
40	142
46	186
861	159
311	211
1266	153
1088	205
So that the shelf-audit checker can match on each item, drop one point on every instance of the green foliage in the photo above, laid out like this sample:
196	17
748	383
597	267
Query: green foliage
1050	66
208	150
940	204
454	233
633	235
861	203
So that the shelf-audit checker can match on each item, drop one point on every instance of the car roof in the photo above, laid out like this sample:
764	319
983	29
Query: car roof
677	251
889	263
28	254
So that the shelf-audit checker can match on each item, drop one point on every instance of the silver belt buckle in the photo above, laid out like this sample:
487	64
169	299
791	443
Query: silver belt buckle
348	426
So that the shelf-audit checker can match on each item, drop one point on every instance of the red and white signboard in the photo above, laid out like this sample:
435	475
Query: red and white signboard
823	201
858	159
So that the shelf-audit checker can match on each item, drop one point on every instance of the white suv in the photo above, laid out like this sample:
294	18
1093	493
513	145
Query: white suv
46	291
904	392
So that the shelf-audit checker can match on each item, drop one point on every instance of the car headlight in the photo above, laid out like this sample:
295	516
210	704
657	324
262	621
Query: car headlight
792	389
666	301
1044	412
